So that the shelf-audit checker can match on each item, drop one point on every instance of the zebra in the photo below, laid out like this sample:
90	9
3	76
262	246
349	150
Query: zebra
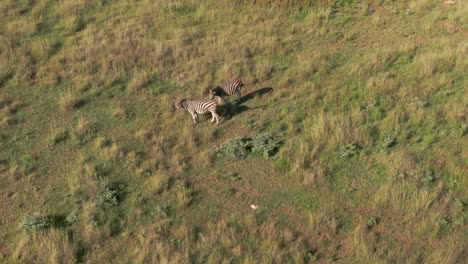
195	107
227	89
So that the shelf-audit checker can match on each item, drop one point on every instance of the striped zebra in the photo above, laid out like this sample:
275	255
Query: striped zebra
227	89
195	107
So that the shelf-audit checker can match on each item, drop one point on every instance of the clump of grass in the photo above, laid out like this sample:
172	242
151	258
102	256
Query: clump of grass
54	246
69	102
316	175
102	142
72	7
231	176
112	151
28	163
84	130
283	165
139	81
184	195
9	121
21	26
160	86
85	126
59	135
119	112
156	184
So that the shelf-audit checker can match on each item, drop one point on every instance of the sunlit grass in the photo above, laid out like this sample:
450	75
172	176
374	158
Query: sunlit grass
366	103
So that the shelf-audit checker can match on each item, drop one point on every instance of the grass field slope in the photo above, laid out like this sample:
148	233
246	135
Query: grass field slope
349	143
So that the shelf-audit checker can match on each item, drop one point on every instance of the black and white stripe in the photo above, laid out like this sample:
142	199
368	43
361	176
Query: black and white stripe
227	89
195	107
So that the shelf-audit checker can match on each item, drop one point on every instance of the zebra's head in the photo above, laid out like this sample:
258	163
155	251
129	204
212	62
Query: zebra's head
214	92
178	104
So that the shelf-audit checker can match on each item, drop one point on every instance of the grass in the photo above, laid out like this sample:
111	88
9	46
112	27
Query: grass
350	136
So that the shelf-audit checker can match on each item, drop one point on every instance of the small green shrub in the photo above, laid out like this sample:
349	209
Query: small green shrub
235	148
348	151
418	103
372	222
400	176
459	220
71	217
388	142
422	175
238	148
161	211
107	197
37	222
265	145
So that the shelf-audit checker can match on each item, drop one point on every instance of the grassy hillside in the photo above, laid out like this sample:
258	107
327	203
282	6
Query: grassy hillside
355	113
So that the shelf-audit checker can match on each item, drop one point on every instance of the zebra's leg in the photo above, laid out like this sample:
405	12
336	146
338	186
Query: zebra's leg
238	96
215	117
194	117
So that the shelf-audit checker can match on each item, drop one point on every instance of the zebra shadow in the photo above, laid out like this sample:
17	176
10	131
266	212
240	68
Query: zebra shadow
232	108
229	109
257	93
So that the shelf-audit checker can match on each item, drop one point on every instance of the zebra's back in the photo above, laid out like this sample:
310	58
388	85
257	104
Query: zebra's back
232	87
201	106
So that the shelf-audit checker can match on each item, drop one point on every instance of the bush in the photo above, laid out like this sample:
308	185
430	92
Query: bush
37	222
265	145
238	148
348	151
235	148
388	142
107	197
71	217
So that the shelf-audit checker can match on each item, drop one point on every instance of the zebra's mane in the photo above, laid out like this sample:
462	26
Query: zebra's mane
218	90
